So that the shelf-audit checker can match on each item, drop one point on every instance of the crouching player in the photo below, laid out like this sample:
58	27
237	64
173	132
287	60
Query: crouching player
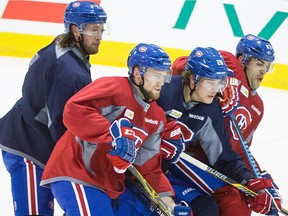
254	57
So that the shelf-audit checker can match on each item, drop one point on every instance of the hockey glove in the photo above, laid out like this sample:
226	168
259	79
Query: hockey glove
124	148
275	191
267	201
229	99
172	144
183	210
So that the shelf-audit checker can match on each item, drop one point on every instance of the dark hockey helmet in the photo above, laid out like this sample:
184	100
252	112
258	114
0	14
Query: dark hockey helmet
255	46
149	56
208	63
83	12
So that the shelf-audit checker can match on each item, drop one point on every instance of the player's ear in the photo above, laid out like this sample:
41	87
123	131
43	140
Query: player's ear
75	31
192	80
137	76
240	59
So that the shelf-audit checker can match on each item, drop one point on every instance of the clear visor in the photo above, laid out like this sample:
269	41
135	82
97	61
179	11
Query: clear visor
266	66
159	75
214	84
96	29
261	65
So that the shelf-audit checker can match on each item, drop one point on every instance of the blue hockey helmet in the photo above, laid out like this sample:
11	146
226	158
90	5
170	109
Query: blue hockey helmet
208	63
254	46
149	56
83	12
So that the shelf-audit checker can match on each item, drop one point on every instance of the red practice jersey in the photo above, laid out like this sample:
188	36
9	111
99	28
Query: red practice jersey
80	154
250	110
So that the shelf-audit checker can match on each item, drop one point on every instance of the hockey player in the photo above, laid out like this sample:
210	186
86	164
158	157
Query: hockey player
192	101
29	131
254	57
112	123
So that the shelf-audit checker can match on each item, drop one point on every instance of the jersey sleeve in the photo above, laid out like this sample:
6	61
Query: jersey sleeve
84	113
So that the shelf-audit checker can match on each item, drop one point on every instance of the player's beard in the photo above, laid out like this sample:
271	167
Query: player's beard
93	49
153	95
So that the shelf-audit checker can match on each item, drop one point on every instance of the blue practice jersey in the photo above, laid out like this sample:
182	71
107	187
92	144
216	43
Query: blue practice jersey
210	142
34	124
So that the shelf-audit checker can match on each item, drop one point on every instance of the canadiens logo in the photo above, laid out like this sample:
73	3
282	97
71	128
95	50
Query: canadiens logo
251	37
129	132
243	118
142	49
51	204
76	4
198	53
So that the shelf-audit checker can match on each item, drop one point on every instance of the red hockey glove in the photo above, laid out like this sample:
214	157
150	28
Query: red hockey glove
266	201
124	147
172	144
229	100
275	192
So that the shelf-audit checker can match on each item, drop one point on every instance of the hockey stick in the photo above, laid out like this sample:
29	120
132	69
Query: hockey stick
153	206
150	193
221	176
216	174
245	147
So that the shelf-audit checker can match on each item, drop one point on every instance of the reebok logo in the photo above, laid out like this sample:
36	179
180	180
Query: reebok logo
151	121
256	110
201	118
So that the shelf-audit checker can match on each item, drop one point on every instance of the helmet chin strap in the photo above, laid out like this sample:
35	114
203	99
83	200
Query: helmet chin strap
80	42
245	67
192	91
244	61
142	90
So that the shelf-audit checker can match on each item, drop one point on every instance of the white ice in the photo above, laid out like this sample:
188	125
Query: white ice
269	145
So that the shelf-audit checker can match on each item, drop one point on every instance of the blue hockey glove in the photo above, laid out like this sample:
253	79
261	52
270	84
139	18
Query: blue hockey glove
124	148
172	145
182	210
